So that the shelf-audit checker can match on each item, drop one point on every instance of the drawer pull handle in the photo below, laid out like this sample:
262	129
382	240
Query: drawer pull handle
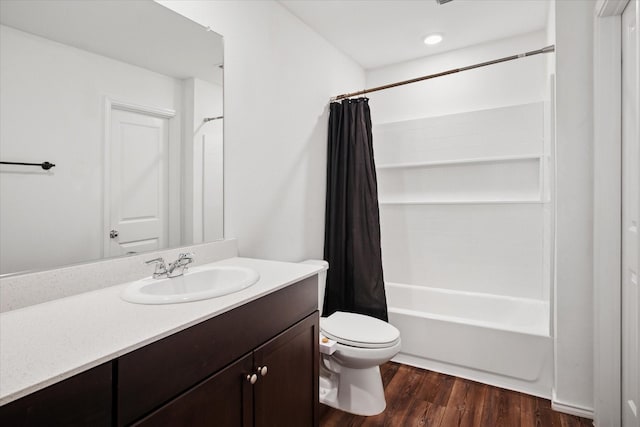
263	371
252	378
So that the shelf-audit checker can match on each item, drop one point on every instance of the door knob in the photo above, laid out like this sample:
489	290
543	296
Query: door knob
252	378
263	370
113	234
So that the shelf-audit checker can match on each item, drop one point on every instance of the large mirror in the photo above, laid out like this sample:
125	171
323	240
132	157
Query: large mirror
125	99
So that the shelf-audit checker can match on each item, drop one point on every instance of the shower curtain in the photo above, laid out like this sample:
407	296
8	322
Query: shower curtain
352	221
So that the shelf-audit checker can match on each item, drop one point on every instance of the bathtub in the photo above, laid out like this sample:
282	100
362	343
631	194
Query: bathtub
497	340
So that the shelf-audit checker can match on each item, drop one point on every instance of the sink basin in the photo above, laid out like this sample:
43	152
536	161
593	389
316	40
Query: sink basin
197	284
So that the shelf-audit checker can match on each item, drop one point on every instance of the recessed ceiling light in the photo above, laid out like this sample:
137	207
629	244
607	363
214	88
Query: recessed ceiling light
433	39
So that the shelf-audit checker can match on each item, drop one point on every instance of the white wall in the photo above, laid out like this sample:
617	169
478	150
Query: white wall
210	140
574	208
485	226
279	75
52	108
509	83
203	189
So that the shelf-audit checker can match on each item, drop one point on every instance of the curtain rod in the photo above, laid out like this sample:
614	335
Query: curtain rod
547	49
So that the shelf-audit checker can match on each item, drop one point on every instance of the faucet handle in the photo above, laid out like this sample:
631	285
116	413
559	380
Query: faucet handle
161	267
186	255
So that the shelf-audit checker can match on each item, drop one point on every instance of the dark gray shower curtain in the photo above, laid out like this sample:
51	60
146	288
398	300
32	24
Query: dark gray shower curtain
352	221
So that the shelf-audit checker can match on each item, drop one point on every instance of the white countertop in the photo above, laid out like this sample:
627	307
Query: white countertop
45	343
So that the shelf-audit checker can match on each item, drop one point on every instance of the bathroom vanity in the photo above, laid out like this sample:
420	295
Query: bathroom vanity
249	358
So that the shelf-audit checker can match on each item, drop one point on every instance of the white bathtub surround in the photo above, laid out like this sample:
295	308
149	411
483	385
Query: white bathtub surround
46	343
497	340
466	234
463	201
465	178
22	290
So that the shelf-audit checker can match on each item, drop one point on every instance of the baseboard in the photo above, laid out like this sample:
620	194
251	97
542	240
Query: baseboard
569	408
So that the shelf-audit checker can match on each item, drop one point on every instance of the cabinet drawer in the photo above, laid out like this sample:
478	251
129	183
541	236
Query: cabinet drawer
82	400
152	375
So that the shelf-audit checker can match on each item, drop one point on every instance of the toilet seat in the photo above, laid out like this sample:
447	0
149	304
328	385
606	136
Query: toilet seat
357	330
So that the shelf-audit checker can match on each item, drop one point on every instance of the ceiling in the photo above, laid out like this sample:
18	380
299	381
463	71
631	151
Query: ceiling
114	28
376	33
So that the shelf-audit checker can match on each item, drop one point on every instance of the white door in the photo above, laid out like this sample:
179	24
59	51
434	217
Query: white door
138	183
630	219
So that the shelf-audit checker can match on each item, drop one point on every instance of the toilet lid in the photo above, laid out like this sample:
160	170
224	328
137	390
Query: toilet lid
358	330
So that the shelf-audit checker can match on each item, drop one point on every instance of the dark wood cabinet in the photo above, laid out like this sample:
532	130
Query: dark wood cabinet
201	375
82	400
275	385
288	394
224	399
153	375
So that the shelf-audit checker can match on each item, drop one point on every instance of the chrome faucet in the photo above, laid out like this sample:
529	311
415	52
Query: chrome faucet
173	269
182	263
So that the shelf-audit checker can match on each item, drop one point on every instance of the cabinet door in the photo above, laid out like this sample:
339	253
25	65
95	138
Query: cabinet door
224	399
288	394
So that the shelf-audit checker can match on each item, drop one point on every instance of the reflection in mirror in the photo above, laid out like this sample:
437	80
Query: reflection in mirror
125	99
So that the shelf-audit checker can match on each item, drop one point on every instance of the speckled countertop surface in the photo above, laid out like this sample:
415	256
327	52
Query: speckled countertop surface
46	343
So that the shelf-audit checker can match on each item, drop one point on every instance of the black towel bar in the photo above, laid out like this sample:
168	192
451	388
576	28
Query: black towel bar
44	165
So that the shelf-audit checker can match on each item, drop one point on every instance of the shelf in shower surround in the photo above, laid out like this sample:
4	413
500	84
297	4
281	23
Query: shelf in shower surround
460	161
462	202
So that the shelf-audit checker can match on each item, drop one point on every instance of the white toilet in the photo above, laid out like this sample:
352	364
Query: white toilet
356	345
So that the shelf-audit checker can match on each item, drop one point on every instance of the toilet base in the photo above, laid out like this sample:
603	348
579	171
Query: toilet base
357	391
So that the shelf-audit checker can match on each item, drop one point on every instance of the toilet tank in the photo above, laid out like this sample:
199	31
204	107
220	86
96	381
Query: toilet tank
322	279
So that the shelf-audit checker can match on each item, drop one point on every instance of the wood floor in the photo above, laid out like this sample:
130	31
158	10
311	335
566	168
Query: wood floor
416	397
